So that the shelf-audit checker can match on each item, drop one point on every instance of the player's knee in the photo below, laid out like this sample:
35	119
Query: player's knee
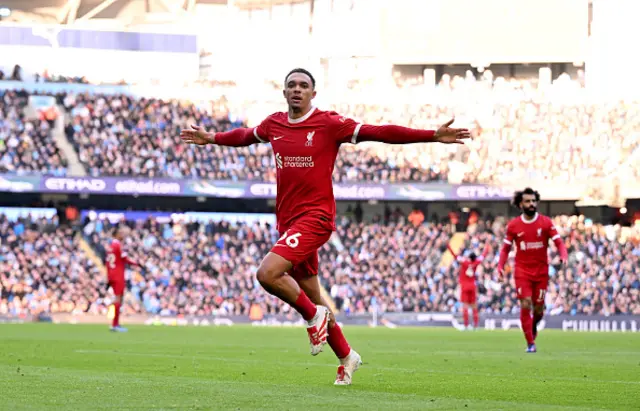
539	309
268	274
526	304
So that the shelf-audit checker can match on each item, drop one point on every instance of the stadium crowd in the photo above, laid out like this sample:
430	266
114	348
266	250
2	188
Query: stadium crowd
521	132
26	143
390	265
43	269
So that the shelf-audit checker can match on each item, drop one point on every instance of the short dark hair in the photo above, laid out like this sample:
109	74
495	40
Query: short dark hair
302	71
518	196
473	256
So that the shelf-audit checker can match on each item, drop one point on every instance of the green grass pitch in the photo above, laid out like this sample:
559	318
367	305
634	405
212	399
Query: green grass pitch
46	366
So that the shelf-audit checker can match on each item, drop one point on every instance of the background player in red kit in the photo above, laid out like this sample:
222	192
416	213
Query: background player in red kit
116	261
531	233
305	142
468	286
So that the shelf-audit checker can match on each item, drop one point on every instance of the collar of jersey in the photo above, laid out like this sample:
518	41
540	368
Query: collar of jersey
531	221
303	118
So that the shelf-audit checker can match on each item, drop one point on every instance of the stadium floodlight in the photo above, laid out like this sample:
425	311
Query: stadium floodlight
5	12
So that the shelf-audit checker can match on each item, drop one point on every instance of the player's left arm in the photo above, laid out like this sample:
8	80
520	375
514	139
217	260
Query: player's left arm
129	261
557	240
485	252
348	130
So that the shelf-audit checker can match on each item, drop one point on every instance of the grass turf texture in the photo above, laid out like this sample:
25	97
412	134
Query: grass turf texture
46	366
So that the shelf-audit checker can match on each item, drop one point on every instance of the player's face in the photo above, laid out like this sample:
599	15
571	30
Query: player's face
299	92
529	204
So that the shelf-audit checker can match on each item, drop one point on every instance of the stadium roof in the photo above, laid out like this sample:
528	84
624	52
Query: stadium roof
69	11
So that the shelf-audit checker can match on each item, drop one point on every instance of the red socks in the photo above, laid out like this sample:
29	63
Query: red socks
537	317
465	315
305	307
527	324
337	342
476	318
116	315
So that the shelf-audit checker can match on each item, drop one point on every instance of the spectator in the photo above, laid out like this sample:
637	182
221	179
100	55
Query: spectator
209	269
26	146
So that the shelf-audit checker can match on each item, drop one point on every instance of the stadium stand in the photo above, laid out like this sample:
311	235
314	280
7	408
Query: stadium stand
526	132
522	133
26	144
209	269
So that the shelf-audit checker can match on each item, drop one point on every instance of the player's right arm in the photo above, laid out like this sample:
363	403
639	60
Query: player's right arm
458	258
506	247
239	137
453	253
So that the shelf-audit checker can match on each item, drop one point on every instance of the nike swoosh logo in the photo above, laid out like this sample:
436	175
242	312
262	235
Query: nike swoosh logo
278	138
520	234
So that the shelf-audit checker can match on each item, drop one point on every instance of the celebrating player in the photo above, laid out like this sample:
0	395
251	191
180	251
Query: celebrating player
305	144
468	287
531	232
116	261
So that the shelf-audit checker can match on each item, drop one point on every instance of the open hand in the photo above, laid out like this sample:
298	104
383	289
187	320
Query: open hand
448	135
197	135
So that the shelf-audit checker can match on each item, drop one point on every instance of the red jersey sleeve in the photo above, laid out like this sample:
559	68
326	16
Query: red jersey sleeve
510	234
343	129
261	132
552	230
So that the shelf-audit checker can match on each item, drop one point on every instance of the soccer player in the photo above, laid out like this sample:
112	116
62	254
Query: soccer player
305	142
468	287
116	261
531	233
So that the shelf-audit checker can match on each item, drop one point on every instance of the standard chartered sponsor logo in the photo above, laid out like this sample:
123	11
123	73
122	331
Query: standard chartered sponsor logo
536	245
300	162
294	161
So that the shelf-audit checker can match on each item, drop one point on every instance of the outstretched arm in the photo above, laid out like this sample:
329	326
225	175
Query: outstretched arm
392	134
239	137
485	252
129	261
453	253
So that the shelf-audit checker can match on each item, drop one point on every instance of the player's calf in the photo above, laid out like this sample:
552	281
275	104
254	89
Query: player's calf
538	314
526	321
273	278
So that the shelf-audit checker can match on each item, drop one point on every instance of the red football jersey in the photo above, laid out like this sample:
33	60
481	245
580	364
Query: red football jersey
305	151
116	261
467	276
531	240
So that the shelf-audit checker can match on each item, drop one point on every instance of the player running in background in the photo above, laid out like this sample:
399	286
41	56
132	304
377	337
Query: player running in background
468	285
116	261
305	142
531	233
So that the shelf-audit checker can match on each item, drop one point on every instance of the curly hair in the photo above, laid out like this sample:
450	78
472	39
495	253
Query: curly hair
518	195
